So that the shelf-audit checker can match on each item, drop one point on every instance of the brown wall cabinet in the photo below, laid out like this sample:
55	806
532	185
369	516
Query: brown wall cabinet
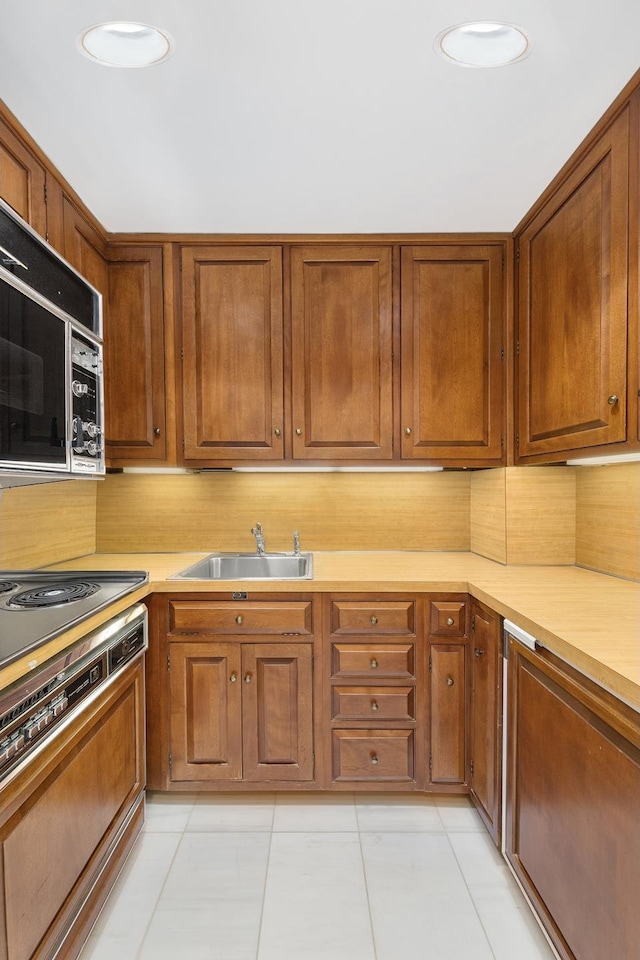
573	307
232	359
341	352
573	795
22	179
452	353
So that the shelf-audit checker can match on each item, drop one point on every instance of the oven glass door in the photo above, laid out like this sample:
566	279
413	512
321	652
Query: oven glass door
33	383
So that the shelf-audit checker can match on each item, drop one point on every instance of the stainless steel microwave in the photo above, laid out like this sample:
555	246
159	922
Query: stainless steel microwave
51	390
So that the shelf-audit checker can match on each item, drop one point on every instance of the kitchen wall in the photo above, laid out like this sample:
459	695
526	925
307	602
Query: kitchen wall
519	515
47	523
332	511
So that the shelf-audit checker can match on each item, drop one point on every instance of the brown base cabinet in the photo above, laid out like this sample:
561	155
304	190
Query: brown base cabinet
573	803
485	727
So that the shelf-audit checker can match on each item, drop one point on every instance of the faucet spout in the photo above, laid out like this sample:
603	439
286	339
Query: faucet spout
258	534
296	543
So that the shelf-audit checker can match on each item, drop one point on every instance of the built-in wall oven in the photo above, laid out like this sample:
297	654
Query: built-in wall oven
51	394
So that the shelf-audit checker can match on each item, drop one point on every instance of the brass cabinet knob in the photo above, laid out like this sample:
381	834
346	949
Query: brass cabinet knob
450	621
449	681
156	430
374	706
374	759
478	652
407	430
277	431
374	664
233	678
612	400
374	620
247	678
239	619
298	432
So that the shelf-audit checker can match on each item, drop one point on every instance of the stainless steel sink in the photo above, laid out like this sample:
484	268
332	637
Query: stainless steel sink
250	566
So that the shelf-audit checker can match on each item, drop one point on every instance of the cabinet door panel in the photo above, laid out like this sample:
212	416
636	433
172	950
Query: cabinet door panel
277	711
573	832
573	307
341	352
484	735
134	352
83	246
232	346
206	740
448	699
452	337
22	180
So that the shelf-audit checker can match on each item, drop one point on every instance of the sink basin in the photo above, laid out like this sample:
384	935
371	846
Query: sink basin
250	566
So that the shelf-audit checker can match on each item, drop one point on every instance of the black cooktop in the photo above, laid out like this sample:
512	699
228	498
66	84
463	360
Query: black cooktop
38	605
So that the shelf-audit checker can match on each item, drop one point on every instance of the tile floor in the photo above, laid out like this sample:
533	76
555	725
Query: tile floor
291	877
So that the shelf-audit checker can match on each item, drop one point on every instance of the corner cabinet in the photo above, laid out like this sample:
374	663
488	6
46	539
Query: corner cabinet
573	796
573	308
452	323
232	353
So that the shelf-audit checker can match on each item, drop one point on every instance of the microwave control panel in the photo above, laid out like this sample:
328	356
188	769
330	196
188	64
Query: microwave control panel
87	444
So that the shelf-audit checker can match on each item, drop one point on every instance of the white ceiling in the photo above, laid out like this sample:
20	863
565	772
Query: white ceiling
300	116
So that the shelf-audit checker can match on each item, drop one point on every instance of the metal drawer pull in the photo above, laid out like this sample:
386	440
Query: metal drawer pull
233	678
247	678
612	400
449	681
277	431
374	664
239	619
450	621
407	430
374	706
374	620
298	432
374	759
478	652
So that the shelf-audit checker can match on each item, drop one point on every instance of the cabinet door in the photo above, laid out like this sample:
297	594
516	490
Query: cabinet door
572	307
277	693
134	356
77	240
486	708
448	713
573	796
205	723
341	315
232	353
22	179
452	317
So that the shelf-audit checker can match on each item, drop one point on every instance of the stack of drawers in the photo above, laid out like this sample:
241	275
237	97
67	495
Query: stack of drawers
374	666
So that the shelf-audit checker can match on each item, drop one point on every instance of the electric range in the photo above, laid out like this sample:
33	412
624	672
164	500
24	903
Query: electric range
36	606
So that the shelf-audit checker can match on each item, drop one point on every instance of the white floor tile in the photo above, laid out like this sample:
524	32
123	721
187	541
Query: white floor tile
168	812
234	812
386	813
420	904
315	902
121	927
509	924
333	814
459	814
480	860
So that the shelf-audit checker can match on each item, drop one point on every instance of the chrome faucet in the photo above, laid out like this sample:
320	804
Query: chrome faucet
258	534
296	543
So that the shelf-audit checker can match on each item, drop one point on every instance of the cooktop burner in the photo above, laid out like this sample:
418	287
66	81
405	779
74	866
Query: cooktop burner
53	595
37	605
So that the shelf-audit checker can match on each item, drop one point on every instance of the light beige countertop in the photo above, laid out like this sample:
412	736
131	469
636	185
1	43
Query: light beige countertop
588	619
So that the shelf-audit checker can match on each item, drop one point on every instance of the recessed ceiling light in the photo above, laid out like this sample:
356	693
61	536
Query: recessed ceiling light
483	44
124	44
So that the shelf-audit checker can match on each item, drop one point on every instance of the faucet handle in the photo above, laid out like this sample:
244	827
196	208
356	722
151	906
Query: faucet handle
296	542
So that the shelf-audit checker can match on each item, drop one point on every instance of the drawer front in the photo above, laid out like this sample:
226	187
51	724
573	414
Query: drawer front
370	617
373	660
373	755
373	703
217	616
447	618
